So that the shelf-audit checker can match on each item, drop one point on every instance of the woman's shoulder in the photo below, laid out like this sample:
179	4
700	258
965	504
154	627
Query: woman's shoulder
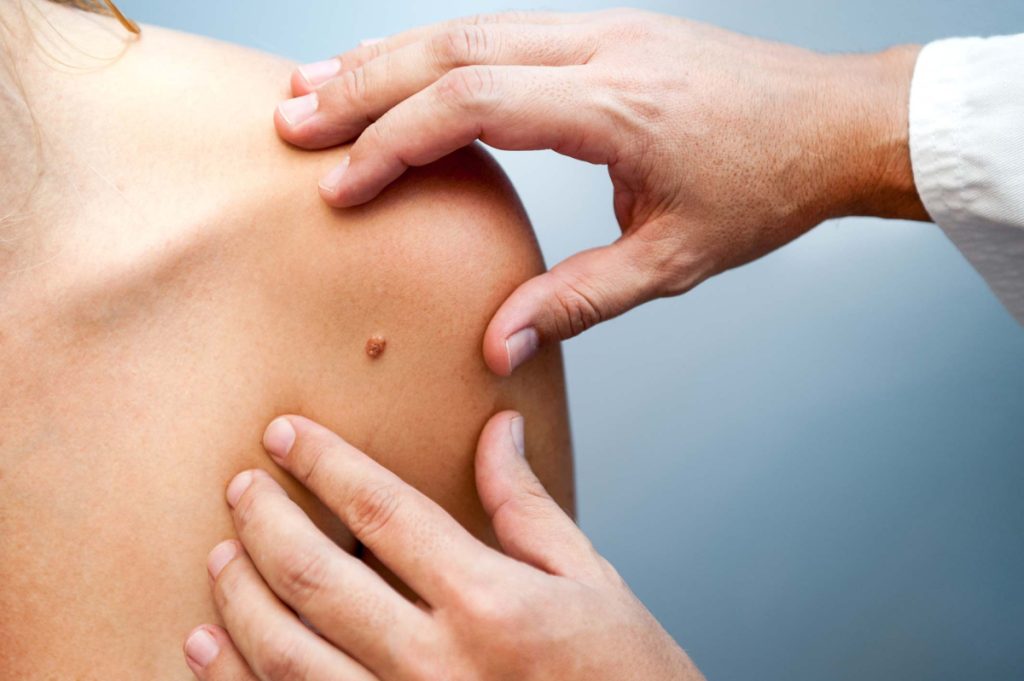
169	156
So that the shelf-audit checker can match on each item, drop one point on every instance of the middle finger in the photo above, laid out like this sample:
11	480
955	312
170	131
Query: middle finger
350	604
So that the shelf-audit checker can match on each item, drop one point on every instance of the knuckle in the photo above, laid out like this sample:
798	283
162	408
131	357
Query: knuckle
377	136
673	266
608	572
303	575
577	309
371	509
483	605
352	85
464	44
469	87
279	658
421	656
362	54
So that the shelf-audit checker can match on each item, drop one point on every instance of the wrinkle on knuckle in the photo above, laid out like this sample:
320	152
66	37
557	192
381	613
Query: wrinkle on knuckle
303	575
353	86
470	87
577	308
372	509
672	263
462	45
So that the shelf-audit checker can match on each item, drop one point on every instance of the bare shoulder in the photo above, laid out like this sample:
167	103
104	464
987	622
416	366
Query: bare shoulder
179	284
413	277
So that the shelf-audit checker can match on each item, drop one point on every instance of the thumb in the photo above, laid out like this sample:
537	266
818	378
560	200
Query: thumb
577	293
530	526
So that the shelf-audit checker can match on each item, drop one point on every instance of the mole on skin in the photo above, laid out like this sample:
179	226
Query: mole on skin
375	346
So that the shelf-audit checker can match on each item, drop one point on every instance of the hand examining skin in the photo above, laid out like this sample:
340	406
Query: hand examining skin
549	607
720	147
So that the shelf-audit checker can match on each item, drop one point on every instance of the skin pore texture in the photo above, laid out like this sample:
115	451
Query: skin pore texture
169	282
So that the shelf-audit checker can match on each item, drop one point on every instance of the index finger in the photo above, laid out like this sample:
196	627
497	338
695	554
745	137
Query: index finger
506	107
413	536
369	50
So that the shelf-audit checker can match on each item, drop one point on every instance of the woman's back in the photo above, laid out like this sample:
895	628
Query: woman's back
169	282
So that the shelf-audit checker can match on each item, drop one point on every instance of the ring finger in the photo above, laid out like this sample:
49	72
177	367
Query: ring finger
276	645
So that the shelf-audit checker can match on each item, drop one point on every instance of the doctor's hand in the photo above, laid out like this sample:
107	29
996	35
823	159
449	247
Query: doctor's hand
720	147
549	607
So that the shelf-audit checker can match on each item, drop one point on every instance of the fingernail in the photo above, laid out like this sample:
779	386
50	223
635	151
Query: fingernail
320	72
296	110
369	41
521	346
238	486
279	437
332	180
221	555
201	648
515	425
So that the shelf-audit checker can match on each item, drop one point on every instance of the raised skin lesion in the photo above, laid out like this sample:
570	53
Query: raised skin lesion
375	346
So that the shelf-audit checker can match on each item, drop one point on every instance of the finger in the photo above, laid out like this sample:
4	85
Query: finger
305	78
345	600
579	292
529	524
356	97
275	644
508	107
410	534
211	656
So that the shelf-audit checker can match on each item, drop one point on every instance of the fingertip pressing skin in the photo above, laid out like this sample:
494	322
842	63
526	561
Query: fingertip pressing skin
521	346
237	486
296	111
511	338
279	437
354	182
201	649
501	438
222	554
331	186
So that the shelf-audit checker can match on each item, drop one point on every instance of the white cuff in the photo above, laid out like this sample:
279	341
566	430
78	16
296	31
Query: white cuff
967	151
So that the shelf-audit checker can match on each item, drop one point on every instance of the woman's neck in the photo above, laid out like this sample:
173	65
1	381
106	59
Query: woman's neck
44	46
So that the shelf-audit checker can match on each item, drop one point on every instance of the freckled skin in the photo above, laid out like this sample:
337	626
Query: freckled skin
375	347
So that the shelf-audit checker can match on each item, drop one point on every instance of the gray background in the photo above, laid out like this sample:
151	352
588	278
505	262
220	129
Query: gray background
809	468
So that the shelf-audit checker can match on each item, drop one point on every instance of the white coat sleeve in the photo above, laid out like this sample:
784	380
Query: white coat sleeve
967	151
